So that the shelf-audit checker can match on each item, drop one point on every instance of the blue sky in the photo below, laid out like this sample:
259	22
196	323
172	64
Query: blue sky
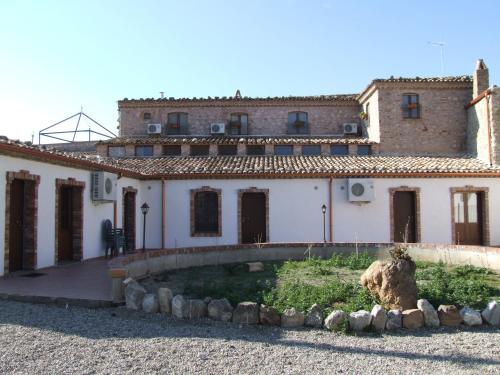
57	56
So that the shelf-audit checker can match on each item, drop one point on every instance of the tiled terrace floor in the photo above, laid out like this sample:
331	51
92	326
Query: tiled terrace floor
83	281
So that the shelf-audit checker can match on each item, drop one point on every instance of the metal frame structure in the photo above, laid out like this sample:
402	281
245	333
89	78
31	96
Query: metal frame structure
52	134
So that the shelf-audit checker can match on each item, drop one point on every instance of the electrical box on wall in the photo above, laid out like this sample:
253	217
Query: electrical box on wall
103	187
360	190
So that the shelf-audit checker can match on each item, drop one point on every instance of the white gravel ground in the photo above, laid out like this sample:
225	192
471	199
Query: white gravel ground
48	339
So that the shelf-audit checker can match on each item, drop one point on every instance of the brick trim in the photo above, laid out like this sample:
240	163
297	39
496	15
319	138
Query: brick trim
125	190
219	212
33	233
77	215
485	219
418	227
240	196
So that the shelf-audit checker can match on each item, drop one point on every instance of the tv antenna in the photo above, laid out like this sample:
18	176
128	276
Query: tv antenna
441	47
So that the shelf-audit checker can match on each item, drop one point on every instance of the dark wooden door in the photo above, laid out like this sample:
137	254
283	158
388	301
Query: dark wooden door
129	220
16	225
66	225
404	216
253	218
468	209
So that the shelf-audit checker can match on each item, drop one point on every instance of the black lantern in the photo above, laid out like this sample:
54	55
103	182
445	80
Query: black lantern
144	210
323	210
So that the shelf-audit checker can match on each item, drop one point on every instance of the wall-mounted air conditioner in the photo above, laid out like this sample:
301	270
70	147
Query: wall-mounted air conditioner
350	128
360	190
154	128
103	187
217	128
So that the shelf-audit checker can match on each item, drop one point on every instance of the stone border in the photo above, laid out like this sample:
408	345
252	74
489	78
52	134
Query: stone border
240	196
193	193
77	214
25	176
485	220
392	192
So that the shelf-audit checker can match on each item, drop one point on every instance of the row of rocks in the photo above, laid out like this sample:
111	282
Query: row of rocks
137	298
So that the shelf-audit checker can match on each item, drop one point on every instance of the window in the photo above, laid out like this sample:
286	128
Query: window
116	151
177	123
339	150
205	211
256	150
297	123
199	150
311	150
238	124
283	150
172	150
143	150
364	149
410	106
227	150
146	116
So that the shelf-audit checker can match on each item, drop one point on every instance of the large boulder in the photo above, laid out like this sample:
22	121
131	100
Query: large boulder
246	313
179	307
196	309
269	316
150	304
292	318
165	296
449	315
134	294
413	319
379	318
394	320
431	318
491	314
314	317
359	320
471	317
220	309
335	319
392	283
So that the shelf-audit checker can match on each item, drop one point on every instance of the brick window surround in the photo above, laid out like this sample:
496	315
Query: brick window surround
240	196
77	218
418	228
194	233
129	238
485	208
31	220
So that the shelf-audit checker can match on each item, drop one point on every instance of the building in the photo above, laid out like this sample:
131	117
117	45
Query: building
414	160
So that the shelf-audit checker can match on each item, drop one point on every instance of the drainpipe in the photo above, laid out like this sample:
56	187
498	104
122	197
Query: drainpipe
115	214
330	207
487	98
163	204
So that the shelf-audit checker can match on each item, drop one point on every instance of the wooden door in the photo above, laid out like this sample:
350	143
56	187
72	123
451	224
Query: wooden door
66	224
253	218
468	209
404	214
16	225
129	220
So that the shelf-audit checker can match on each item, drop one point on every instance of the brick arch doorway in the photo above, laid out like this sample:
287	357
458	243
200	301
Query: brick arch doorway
253	215
129	217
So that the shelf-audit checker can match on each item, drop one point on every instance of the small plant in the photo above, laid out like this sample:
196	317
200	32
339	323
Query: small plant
399	252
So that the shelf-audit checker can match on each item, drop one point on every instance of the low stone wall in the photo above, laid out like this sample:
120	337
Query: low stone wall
151	262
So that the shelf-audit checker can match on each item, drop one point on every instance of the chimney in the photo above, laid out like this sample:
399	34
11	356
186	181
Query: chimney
481	79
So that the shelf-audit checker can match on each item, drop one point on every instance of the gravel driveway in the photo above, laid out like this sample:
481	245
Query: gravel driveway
50	339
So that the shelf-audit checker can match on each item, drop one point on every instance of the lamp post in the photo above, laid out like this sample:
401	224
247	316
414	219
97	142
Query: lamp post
144	210
323	210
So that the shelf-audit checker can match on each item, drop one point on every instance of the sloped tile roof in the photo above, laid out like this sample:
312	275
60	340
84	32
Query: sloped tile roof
247	140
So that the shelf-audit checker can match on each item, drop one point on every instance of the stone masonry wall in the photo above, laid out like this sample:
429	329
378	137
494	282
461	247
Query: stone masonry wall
263	119
495	123
477	131
441	127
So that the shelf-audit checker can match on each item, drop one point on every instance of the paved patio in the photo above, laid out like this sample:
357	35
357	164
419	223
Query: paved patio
85	283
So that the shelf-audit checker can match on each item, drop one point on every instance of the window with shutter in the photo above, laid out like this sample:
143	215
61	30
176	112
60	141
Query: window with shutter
199	150
256	150
206	212
297	123
410	106
172	150
283	150
143	150
338	150
177	123
238	124
311	150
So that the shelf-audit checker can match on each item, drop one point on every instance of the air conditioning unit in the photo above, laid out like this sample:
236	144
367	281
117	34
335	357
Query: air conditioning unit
217	128
350	128
103	187
154	128
360	190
